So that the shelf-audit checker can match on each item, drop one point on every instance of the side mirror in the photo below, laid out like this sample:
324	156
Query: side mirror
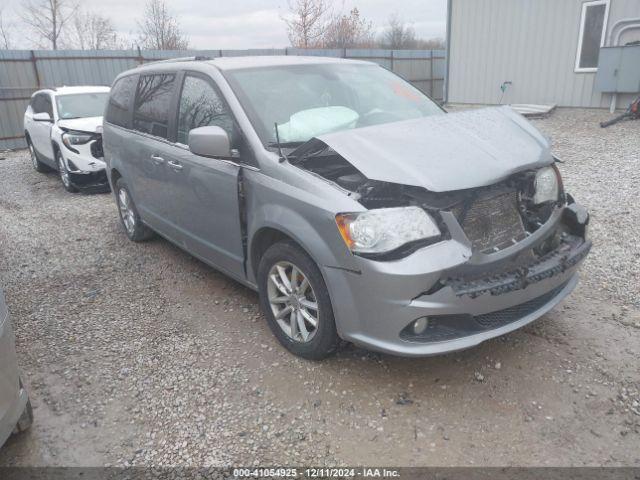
210	141
42	117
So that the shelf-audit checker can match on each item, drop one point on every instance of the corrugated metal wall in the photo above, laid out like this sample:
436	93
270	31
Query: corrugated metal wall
531	43
23	71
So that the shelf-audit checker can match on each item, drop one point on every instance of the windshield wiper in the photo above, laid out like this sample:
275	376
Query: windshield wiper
285	144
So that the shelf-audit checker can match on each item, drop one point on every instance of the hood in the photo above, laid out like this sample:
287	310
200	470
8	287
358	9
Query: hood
445	152
89	124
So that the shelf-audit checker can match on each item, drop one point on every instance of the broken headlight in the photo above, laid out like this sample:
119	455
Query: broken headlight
71	139
546	185
385	229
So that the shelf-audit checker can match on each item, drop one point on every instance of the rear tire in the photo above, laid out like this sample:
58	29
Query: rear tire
63	172
37	165
135	229
305	325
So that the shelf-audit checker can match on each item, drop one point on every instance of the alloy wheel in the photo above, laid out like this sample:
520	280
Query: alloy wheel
126	211
293	301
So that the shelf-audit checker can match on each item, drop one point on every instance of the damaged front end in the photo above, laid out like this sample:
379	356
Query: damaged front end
513	240
84	157
520	250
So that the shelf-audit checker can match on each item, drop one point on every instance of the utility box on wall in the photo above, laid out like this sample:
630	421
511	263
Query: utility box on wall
619	69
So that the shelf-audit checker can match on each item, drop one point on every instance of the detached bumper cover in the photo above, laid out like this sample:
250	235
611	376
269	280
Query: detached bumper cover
569	254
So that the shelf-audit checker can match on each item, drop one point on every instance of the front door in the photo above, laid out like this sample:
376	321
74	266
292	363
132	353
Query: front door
204	191
40	132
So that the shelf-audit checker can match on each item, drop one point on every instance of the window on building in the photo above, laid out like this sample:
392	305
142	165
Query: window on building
593	23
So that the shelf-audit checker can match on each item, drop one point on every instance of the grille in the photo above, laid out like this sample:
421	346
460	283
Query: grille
511	314
492	223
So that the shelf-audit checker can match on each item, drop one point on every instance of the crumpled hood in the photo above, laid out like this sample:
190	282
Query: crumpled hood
445	152
89	124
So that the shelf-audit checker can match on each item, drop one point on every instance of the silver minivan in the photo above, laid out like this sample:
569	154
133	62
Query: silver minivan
16	414
356	206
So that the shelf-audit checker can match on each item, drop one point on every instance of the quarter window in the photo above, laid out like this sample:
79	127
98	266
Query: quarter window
593	22
153	101
119	106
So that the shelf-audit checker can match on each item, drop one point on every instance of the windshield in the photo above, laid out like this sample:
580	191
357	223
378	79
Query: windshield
310	100
81	105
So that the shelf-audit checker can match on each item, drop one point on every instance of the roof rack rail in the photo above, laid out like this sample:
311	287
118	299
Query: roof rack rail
197	58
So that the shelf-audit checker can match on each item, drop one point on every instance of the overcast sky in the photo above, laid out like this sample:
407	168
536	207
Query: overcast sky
214	24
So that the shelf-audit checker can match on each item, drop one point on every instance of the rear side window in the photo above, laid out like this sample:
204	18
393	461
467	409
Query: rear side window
153	100
200	106
118	108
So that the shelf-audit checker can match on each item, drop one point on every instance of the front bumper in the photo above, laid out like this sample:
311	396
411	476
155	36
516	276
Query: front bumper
13	397
87	171
376	306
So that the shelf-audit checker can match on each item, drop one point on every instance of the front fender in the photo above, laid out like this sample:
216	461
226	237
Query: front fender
299	213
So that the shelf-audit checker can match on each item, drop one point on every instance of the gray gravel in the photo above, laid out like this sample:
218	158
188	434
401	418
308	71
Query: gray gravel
138	354
602	171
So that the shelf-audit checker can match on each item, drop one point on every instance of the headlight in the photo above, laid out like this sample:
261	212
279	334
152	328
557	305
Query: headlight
384	230
546	185
75	138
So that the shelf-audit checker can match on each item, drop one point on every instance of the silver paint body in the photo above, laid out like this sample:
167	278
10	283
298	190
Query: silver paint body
197	209
13	398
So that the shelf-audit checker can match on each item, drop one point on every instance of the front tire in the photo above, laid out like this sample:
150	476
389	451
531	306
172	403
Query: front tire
295	300
64	174
135	229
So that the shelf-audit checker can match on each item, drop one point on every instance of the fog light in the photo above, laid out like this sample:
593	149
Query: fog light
420	325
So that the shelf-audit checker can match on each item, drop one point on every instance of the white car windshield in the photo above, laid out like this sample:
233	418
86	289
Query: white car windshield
310	100
81	105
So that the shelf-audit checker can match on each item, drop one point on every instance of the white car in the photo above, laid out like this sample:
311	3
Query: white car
63	130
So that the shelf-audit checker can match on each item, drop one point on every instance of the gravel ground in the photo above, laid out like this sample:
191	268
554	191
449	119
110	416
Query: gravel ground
138	354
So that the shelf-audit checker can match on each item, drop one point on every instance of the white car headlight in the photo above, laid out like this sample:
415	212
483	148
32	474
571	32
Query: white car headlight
385	229
546	186
75	138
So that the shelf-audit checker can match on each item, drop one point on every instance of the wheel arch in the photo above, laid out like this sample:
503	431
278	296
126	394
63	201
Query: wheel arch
262	239
114	176
312	242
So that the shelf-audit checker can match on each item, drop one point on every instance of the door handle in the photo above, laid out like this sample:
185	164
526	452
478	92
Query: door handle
157	160
175	165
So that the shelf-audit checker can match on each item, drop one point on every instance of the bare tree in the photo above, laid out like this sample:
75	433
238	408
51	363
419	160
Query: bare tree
348	31
159	29
92	31
6	30
48	19
306	22
397	34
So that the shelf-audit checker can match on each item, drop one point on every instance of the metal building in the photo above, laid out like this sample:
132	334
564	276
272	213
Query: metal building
543	52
